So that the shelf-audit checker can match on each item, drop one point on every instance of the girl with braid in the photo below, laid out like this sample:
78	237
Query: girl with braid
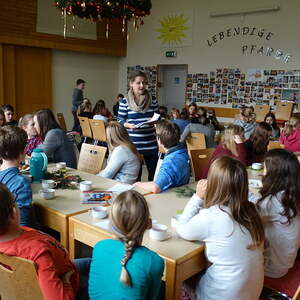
122	268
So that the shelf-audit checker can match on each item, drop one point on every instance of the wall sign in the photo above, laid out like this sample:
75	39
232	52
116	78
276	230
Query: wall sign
248	31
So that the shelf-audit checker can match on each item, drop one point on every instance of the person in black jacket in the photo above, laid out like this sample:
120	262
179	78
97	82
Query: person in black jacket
116	106
77	99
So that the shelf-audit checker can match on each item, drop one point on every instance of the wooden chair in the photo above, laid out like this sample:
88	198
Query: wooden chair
61	121
283	110
19	279
91	158
196	141
159	162
261	111
274	145
200	159
86	128
98	130
297	294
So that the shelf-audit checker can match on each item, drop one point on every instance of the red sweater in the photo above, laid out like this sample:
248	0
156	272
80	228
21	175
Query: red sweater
221	150
51	259
291	142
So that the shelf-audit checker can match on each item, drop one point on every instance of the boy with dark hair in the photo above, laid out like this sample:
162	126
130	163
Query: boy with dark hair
9	115
57	275
175	168
12	151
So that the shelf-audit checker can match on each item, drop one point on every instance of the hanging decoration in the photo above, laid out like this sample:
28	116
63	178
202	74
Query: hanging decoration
106	10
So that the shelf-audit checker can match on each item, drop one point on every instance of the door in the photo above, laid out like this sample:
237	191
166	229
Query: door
173	85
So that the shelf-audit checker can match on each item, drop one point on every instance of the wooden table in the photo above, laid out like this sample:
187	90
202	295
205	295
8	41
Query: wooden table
54	213
182	258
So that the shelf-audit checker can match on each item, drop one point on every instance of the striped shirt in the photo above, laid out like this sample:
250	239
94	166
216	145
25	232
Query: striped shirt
144	137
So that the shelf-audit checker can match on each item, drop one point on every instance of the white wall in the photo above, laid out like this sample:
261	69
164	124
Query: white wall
100	73
142	47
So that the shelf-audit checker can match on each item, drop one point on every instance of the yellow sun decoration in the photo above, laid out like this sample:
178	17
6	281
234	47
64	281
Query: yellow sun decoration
172	29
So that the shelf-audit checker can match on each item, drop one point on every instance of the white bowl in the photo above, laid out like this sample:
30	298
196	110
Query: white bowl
159	232
47	193
85	186
257	166
99	212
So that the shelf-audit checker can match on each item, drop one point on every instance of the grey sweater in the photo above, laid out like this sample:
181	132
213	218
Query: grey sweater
59	148
77	98
208	130
122	165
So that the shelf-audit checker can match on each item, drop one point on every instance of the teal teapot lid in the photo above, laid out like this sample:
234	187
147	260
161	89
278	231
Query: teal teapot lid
37	150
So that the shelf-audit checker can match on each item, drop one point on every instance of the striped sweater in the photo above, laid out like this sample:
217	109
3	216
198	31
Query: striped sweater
143	137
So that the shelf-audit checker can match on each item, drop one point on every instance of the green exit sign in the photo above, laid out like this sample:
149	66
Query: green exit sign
171	53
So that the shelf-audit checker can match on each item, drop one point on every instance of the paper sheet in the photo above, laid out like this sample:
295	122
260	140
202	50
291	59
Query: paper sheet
154	118
119	188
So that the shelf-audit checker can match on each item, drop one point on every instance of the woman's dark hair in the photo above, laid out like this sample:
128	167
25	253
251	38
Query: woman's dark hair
46	121
7	107
99	108
200	120
282	174
274	125
260	137
7	205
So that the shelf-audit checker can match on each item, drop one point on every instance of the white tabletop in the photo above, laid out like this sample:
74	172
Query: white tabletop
66	201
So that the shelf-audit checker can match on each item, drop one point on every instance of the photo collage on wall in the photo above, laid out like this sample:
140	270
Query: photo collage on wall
233	88
151	72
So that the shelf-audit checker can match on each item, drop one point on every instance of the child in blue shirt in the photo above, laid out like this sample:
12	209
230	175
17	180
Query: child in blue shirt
175	169
12	151
123	269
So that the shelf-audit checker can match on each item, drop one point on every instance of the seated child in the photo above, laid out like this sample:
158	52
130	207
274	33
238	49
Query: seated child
179	119
100	112
175	168
279	207
13	141
123	269
9	115
221	216
57	276
271	120
290	135
246	119
124	160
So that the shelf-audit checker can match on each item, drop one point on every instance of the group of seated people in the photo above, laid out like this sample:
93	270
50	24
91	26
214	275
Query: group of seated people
247	238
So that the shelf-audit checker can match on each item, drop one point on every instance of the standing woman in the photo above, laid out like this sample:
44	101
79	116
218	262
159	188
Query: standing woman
137	107
27	124
55	144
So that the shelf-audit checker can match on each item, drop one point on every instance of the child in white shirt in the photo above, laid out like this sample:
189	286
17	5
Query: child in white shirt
221	216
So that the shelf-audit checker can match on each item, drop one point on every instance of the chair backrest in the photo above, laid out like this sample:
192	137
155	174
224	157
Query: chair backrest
18	279
283	110
297	294
200	159
61	121
196	141
159	162
260	112
98	130
91	158
85	127
274	145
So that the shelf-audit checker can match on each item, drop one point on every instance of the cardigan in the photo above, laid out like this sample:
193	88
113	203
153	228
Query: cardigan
59	148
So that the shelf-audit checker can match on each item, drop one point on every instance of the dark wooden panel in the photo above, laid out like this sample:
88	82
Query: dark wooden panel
18	27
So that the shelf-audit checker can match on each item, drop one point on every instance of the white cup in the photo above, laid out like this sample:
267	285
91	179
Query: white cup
99	212
48	184
85	185
61	165
159	232
47	193
256	166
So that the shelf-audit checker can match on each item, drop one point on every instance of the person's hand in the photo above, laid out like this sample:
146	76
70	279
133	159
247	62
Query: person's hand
238	139
67	277
137	183
201	188
129	126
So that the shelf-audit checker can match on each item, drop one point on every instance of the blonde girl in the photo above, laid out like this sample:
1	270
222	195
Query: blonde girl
85	109
290	136
221	216
232	144
246	120
124	161
123	269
